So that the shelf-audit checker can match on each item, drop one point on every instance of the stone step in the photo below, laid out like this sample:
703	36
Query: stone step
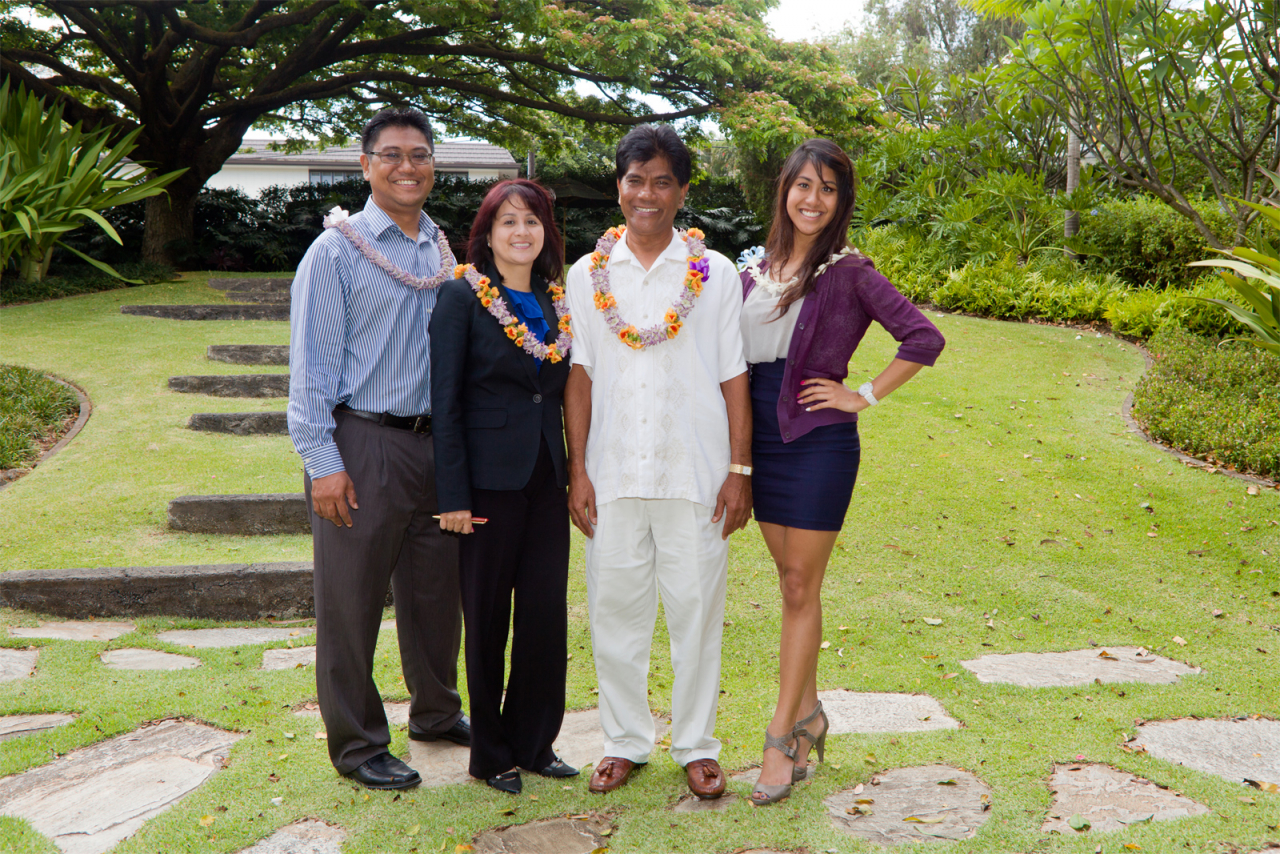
249	354
280	513
233	385
242	284
234	591
240	423
231	311
261	297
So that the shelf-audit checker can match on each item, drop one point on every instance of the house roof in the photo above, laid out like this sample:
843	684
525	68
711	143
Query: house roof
449	155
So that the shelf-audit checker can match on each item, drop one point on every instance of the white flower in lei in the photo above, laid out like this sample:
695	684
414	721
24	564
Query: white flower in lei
776	289
337	218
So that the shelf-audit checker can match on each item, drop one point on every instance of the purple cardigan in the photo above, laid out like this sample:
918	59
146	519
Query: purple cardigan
833	318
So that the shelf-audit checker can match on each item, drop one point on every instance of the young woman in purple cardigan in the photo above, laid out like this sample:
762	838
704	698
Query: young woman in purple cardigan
806	306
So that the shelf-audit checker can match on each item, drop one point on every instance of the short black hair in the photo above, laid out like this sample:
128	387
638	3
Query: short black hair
395	117
645	142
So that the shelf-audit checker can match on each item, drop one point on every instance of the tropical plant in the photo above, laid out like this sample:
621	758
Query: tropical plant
54	178
1243	267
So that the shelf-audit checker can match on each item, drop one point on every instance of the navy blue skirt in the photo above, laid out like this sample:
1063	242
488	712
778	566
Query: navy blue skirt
802	484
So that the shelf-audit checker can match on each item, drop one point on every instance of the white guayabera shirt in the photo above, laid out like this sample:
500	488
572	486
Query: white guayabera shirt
659	427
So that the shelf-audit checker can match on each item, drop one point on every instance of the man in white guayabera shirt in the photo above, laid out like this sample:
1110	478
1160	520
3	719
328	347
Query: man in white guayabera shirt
658	420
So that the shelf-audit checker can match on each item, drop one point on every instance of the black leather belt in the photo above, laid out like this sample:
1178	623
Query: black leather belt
413	423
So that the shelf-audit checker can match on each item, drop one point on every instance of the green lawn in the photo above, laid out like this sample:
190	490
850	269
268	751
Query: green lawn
1000	493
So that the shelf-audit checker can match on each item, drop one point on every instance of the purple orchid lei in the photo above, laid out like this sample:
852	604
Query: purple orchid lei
639	339
491	298
337	218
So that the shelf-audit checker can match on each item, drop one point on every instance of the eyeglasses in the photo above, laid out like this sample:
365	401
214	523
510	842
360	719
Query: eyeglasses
395	158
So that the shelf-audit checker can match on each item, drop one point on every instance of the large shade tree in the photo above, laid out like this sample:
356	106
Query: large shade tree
194	76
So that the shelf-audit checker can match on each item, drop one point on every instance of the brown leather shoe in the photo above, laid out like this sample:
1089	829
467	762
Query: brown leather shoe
706	780
611	773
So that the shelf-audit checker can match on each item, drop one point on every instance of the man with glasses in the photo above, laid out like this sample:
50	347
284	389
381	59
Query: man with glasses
360	417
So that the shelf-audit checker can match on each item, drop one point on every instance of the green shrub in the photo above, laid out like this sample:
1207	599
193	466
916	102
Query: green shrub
1050	289
915	264
32	406
1141	313
1148	244
73	279
1219	403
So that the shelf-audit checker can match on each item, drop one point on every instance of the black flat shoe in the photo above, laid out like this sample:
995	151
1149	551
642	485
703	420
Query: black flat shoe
559	769
508	782
384	771
459	733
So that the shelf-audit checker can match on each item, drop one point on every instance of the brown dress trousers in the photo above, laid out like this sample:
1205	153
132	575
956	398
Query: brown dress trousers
394	540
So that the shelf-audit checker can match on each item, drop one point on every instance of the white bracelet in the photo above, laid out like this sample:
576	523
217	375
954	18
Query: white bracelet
867	391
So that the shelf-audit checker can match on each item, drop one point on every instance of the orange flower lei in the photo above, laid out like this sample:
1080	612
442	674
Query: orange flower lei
491	298
673	320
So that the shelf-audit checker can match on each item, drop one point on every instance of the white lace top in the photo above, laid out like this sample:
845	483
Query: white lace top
766	337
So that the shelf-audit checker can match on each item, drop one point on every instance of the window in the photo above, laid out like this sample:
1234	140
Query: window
328	176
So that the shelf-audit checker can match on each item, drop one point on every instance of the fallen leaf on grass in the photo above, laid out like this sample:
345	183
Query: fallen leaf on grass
950	675
946	782
932	819
1264	786
322	735
865	801
1179	641
932	621
1108	656
1078	823
1132	846
1245	799
205	821
463	848
413	831
825	645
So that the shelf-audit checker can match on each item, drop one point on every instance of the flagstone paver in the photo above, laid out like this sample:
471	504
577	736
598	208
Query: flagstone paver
87	630
554	836
287	659
212	638
147	659
850	711
916	804
1078	667
1234	750
303	837
17	663
92	798
442	763
692	803
1110	799
14	726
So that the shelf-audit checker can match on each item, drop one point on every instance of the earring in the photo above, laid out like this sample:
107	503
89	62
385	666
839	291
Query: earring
488	242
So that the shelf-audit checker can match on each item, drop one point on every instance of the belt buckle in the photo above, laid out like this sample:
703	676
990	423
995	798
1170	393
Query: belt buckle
422	423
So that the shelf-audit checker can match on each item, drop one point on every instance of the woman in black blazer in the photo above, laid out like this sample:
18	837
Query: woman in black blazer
499	348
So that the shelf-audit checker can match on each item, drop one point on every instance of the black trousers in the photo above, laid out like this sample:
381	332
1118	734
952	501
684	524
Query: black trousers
392	539
522	553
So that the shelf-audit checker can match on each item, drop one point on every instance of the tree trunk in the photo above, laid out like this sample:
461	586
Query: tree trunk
1072	225
170	230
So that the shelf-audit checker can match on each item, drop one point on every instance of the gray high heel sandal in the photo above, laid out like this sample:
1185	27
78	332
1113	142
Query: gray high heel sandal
819	743
773	794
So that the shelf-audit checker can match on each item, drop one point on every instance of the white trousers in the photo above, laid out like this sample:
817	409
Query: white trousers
643	548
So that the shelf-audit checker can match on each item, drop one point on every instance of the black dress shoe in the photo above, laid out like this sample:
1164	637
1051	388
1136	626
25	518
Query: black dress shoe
559	768
508	782
459	733
384	771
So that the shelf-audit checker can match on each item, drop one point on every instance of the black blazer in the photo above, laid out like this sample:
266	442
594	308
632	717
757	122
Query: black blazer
490	406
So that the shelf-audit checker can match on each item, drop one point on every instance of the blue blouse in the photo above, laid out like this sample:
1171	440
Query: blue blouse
526	307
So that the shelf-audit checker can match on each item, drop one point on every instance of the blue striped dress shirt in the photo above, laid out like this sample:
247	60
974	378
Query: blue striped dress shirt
358	336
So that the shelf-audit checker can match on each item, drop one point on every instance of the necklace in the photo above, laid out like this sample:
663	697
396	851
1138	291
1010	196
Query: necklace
490	297
639	339
337	218
776	289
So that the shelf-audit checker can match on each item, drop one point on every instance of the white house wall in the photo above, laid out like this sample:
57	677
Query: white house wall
252	180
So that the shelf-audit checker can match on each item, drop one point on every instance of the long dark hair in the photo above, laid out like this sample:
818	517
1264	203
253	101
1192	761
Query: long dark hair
548	264
834	237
